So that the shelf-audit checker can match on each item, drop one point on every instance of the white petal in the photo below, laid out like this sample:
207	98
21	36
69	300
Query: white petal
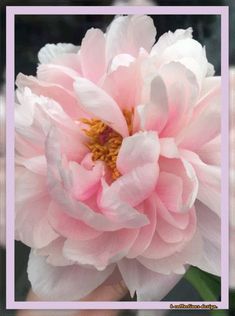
51	51
63	283
148	285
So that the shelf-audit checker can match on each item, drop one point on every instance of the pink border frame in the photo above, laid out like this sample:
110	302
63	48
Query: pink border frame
111	10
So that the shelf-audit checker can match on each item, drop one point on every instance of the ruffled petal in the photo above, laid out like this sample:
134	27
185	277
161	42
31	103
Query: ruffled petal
54	91
191	253
148	285
32	225
209	179
121	215
145	234
92	252
67	226
63	283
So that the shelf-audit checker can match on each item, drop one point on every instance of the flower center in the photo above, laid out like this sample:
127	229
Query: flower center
104	143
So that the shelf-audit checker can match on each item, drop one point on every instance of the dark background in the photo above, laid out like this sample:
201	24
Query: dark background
33	32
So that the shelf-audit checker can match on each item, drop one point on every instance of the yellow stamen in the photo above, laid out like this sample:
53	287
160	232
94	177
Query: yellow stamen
104	143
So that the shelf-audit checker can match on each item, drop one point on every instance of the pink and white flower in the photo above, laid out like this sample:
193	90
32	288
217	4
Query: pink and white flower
118	162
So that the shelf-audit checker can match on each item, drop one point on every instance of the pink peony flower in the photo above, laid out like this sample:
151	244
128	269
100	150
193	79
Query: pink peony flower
118	162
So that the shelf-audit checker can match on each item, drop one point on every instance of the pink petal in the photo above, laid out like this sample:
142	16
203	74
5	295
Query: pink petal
179	220
57	74
169	148
32	225
200	130
137	150
137	185
127	34
69	227
148	285
175	263
59	186
117	84
29	186
85	182
53	252
63	283
99	104
92	252
209	178
169	189
54	91
156	111
211	234
93	60
184	51
184	170
182	92
145	233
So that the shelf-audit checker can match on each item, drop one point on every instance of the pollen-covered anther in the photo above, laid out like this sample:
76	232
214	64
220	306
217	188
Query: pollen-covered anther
104	143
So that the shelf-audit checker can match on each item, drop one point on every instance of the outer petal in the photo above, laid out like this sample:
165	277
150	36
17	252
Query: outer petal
99	104
169	38
147	284
190	254
209	190
190	53
211	235
54	254
127	34
57	74
182	93
199	131
49	52
54	91
93	60
69	227
183	170
63	283
32	227
92	252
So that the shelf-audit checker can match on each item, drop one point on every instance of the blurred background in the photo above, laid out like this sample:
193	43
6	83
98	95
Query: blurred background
33	32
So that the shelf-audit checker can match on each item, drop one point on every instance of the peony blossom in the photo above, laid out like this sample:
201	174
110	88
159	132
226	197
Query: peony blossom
118	162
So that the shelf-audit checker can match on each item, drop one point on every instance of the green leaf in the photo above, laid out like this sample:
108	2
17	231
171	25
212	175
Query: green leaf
207	285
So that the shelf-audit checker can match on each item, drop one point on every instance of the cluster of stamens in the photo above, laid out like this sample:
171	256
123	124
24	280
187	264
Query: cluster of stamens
104	143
